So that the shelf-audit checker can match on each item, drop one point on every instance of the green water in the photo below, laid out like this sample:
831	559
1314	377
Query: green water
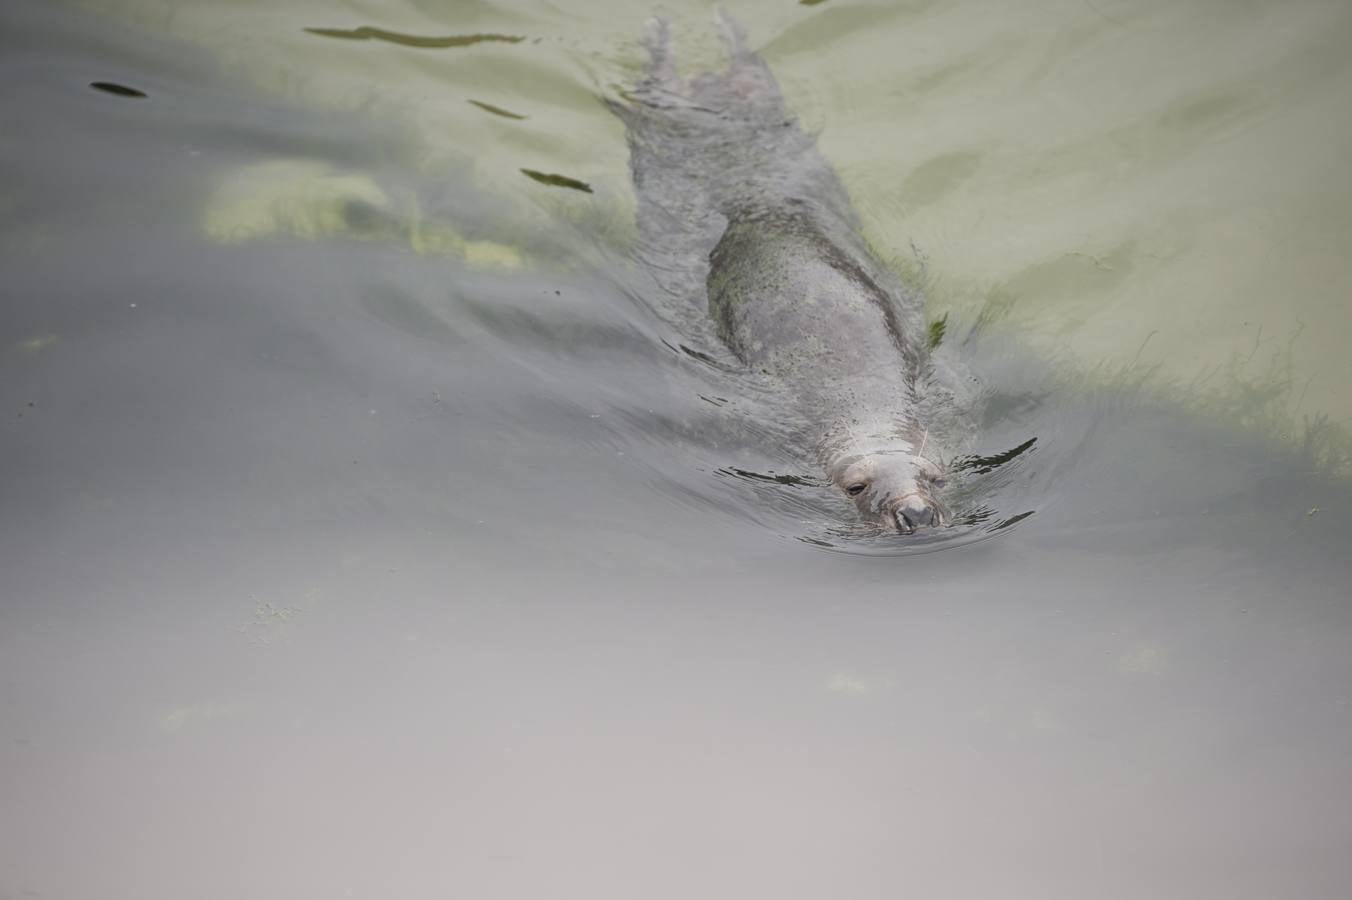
1139	189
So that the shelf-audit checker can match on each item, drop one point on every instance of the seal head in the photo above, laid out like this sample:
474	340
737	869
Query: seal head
893	488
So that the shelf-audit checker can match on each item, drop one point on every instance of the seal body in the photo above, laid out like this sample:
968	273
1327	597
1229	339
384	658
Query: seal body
739	214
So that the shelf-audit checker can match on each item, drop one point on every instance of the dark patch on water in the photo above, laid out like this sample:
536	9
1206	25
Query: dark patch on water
700	356
495	110
773	478
555	180
984	465
367	33
118	90
1012	520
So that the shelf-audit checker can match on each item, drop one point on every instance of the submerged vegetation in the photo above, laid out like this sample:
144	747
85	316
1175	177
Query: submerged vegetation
937	327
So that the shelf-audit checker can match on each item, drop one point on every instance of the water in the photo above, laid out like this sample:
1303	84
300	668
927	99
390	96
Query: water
366	529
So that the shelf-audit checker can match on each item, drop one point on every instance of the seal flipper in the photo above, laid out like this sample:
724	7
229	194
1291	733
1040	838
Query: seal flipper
734	35
747	77
659	83
661	72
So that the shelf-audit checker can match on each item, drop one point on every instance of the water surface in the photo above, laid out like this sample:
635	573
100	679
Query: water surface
366	530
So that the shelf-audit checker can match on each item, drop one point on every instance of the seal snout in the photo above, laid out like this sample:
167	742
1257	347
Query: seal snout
913	513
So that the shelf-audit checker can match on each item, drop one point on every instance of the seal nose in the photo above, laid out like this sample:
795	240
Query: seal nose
914	513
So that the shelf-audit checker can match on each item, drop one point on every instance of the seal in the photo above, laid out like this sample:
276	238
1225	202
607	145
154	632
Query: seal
739	213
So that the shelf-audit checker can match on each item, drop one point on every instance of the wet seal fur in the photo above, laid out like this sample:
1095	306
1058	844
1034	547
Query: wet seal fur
737	210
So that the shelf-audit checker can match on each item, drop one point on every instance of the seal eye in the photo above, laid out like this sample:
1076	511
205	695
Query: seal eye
856	489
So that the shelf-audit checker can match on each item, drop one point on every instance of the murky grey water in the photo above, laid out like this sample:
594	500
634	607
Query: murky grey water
362	534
